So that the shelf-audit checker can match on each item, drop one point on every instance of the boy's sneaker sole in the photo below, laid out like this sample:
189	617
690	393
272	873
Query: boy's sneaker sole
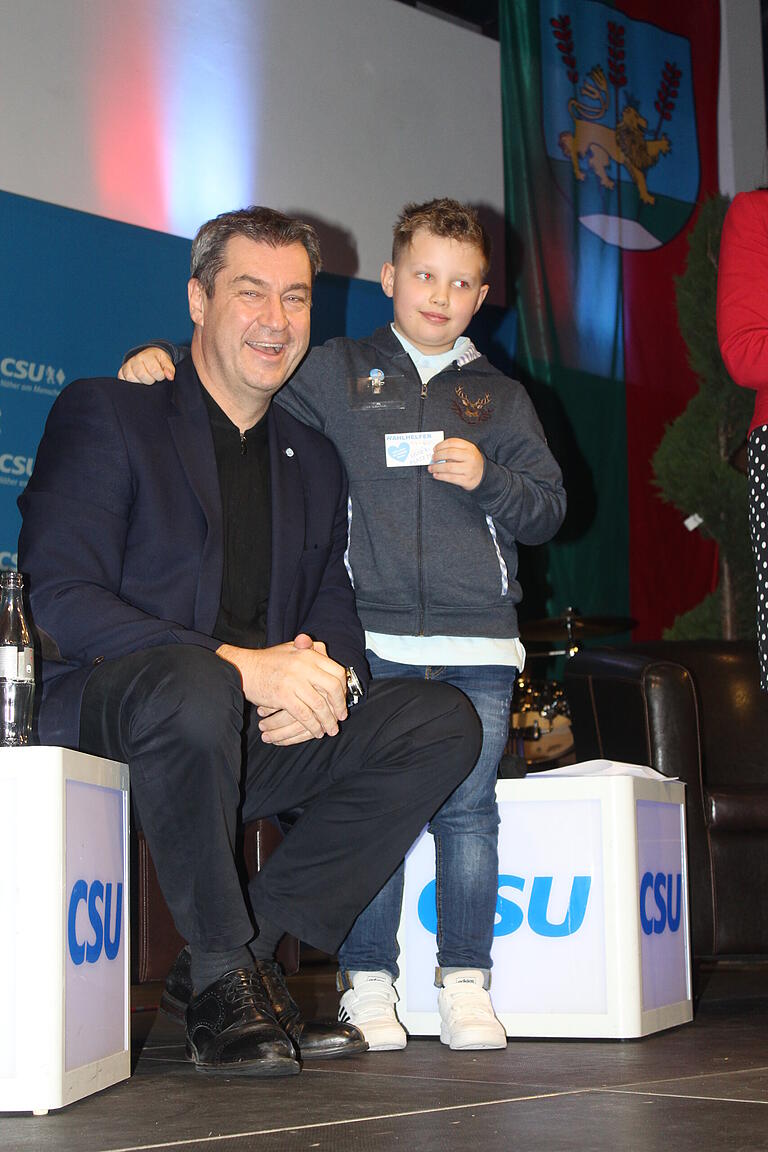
473	1039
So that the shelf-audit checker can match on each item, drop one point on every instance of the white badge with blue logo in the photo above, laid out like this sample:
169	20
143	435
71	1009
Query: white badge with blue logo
408	449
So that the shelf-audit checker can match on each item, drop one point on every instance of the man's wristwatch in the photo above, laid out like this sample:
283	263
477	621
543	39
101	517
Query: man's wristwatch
354	687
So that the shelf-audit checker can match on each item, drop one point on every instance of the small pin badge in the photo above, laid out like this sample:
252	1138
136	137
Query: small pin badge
376	377
289	451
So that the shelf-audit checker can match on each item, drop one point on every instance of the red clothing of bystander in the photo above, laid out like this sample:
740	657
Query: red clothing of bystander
742	296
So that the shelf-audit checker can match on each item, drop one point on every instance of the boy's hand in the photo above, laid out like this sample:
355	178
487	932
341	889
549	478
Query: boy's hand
458	462
148	366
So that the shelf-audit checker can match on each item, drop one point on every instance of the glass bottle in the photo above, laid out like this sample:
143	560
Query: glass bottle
17	664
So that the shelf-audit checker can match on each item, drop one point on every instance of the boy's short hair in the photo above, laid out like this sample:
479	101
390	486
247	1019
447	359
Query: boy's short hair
264	225
442	217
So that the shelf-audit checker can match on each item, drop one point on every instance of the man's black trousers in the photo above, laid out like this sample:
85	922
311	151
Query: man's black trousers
198	770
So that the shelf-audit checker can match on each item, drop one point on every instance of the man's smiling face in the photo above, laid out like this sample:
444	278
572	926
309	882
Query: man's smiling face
252	333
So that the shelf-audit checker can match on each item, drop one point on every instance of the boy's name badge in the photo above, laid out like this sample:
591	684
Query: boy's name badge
407	449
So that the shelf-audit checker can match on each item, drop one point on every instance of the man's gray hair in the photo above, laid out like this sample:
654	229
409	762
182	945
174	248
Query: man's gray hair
264	225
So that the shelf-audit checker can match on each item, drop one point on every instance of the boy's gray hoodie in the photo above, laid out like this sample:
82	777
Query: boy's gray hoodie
426	557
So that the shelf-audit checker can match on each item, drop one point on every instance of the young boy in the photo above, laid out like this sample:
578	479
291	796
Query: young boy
434	521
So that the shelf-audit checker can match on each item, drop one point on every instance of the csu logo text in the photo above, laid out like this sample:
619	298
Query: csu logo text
105	920
11	465
511	914
14	369
661	898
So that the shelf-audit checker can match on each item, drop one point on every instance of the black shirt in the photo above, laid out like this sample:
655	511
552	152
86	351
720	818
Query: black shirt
242	461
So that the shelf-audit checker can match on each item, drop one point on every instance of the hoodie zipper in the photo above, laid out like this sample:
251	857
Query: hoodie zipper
419	482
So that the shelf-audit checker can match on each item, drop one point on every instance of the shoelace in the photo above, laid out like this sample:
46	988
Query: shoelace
281	1002
244	989
271	971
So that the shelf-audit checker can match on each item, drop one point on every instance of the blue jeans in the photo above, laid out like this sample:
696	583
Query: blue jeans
466	836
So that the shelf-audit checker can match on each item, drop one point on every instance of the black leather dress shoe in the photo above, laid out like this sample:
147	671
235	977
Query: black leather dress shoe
315	1039
177	991
232	1030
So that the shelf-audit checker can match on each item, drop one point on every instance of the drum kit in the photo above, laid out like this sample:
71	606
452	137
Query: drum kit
540	722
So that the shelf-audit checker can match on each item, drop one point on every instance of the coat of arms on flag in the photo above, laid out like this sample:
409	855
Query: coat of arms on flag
619	121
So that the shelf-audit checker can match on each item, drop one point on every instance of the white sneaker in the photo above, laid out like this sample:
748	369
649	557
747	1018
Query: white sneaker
370	1006
467	1019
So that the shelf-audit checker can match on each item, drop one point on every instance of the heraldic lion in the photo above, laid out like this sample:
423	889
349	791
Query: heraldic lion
600	144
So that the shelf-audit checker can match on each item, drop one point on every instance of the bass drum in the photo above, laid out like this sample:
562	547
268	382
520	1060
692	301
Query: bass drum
540	723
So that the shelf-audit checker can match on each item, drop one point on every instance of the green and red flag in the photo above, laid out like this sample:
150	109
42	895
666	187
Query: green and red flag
610	143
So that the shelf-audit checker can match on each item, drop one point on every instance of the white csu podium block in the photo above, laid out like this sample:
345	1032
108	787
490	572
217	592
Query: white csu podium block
64	907
592	928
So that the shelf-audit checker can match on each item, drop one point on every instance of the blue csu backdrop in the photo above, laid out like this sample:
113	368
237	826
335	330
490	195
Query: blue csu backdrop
81	289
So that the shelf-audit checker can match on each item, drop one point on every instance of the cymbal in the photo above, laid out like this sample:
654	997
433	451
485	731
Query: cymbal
555	628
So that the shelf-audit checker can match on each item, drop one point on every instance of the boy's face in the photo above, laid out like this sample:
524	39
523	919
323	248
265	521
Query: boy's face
436	287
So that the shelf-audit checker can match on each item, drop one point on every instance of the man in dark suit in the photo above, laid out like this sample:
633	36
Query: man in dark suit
185	549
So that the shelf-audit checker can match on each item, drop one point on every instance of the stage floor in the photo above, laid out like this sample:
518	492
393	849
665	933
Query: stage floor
700	1086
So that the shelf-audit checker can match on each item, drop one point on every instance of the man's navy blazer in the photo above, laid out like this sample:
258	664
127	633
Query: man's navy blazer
122	538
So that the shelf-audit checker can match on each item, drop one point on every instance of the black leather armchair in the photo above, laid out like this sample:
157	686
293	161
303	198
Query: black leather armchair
693	710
